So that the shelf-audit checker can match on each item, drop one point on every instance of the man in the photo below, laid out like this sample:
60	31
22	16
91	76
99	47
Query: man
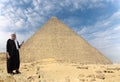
13	60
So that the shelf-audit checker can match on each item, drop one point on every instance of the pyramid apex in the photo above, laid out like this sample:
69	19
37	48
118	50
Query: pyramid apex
54	20
53	17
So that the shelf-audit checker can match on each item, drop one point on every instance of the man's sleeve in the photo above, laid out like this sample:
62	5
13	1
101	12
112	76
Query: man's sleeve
18	44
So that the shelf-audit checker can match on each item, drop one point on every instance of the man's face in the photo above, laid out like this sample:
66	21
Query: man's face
13	36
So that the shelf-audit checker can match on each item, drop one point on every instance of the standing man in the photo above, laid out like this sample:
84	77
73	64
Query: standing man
13	59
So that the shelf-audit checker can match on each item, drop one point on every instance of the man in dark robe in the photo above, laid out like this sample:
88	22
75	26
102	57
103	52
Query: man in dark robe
13	60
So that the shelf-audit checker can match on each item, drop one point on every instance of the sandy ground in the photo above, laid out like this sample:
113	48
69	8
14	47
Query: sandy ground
50	70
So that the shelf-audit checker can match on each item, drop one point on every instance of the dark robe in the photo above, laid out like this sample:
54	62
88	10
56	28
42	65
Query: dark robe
13	62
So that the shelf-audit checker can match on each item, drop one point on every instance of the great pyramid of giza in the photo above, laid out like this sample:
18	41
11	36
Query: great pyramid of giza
58	41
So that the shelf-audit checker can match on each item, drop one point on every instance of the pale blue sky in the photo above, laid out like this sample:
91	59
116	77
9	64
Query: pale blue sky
97	21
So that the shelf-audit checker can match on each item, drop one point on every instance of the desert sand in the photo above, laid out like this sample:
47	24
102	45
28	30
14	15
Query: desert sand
51	70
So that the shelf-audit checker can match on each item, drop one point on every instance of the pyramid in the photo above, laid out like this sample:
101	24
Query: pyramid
56	40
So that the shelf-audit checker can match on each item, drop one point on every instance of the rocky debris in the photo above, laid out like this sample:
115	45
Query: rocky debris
83	80
61	72
82	67
108	71
100	76
91	76
112	68
30	79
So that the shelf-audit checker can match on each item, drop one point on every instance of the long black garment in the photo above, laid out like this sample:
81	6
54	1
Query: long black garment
13	62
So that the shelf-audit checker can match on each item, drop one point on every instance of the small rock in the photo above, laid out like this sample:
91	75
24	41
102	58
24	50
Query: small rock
100	76
82	67
39	76
107	71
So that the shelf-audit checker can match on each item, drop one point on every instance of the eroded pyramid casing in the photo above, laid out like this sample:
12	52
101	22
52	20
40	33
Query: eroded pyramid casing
58	41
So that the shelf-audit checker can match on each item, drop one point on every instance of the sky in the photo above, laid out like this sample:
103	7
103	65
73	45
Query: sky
97	21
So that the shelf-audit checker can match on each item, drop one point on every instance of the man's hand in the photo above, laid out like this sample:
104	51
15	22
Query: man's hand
8	56
22	43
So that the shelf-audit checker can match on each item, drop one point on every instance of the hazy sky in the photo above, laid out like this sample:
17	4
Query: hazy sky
98	21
